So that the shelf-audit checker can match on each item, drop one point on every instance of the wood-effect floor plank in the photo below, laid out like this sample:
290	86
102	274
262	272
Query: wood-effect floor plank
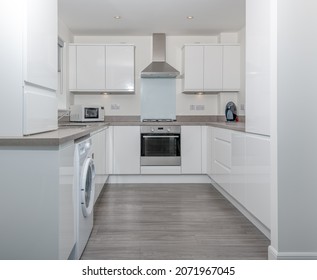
171	221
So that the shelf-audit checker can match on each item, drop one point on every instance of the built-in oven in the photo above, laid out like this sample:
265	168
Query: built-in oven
160	145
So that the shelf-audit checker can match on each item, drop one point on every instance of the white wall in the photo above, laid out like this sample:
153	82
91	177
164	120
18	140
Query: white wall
130	103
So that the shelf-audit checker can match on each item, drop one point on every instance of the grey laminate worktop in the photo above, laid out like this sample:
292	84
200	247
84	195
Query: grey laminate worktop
71	131
53	138
238	126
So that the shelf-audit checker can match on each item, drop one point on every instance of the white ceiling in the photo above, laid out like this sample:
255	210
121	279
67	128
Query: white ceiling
144	17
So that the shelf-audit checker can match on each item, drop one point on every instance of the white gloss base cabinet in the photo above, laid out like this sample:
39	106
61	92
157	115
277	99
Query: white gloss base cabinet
38	210
240	165
257	170
101	68
221	157
99	149
191	149
126	150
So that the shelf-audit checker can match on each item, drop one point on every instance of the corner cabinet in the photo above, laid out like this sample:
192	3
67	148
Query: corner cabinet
211	68
101	68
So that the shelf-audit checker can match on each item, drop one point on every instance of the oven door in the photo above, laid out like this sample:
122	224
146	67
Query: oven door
160	150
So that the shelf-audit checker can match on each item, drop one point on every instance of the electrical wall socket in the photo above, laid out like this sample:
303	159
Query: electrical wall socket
192	107
115	106
200	107
242	108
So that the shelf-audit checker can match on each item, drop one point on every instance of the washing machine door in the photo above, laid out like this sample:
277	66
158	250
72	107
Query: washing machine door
87	187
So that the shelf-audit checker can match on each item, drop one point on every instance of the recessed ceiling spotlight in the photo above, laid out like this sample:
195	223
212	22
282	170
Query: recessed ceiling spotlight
117	17
190	17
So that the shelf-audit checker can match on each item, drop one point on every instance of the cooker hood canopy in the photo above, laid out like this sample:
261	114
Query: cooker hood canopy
159	68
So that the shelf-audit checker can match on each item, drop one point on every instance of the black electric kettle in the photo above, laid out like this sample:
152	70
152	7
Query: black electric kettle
231	112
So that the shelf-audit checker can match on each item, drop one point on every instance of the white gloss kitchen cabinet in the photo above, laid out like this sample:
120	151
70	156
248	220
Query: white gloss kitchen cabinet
29	64
101	68
120	68
221	157
211	68
99	150
87	67
38	217
191	149
126	150
259	73
241	167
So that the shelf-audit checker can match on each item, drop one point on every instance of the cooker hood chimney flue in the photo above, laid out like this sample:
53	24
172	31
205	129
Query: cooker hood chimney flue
159	68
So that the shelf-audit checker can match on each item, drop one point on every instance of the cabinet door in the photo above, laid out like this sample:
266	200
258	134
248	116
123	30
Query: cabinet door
191	146
193	68
221	158
72	67
213	68
126	153
238	178
258	177
91	68
258	66
120	68
66	202
231	68
40	40
99	151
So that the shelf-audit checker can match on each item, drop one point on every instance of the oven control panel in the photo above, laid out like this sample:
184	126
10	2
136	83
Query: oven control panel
161	129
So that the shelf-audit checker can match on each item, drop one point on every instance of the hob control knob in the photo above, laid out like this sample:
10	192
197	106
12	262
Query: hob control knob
168	130
152	129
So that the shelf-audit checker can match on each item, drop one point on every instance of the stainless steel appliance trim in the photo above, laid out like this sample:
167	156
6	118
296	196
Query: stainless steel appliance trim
159	129
160	136
160	161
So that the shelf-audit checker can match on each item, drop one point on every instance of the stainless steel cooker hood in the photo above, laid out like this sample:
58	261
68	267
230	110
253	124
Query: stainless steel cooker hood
159	68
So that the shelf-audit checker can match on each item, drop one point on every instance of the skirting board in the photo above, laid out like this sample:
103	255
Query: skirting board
274	255
163	179
244	211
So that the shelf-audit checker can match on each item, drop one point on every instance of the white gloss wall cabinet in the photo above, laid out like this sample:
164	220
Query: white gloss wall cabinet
39	217
231	68
259	55
29	64
191	149
126	150
211	68
120	68
90	68
193	68
101	68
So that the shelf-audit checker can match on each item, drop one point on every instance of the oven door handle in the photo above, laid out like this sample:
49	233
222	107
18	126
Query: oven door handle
161	136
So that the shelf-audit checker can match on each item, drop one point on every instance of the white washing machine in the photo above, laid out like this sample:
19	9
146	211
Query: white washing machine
85	185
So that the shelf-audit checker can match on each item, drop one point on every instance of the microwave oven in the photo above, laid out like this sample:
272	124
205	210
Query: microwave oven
86	113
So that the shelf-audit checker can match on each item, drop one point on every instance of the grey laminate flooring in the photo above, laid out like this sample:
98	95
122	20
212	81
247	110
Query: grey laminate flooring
171	221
